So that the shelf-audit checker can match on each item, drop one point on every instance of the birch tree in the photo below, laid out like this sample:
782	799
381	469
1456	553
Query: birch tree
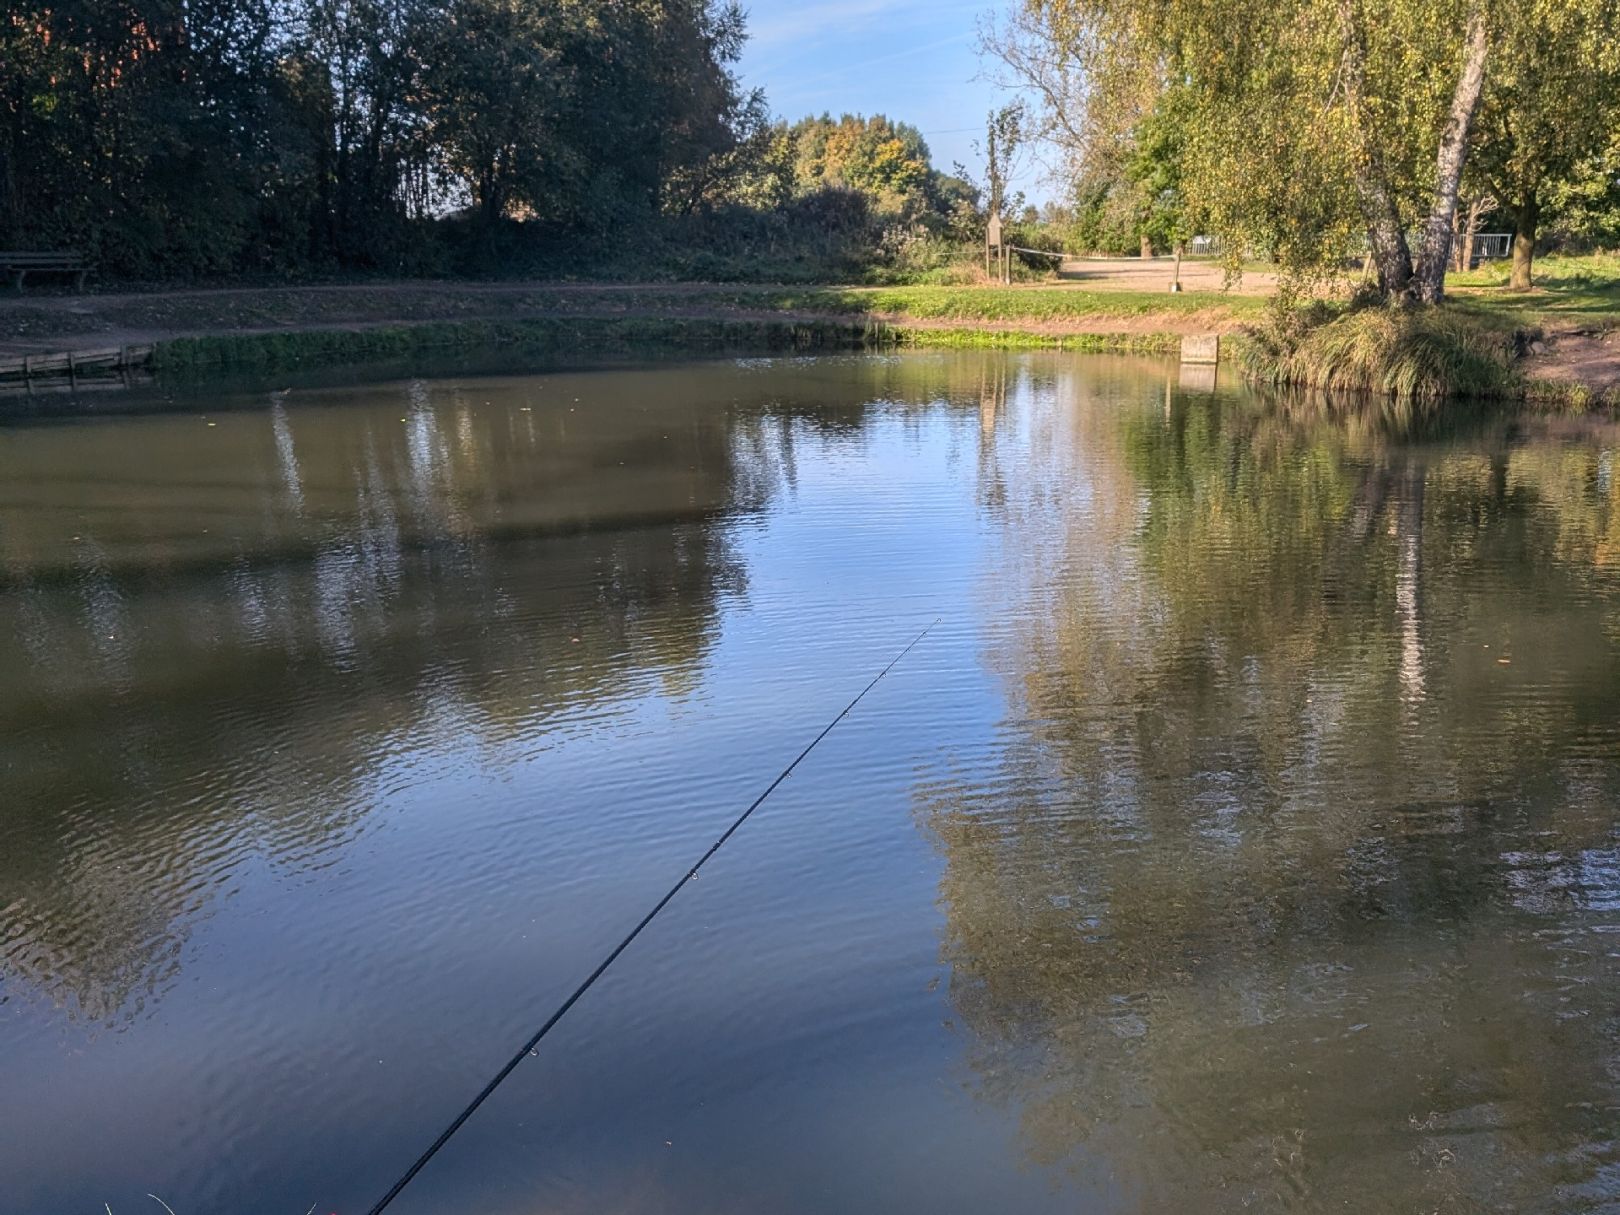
1312	124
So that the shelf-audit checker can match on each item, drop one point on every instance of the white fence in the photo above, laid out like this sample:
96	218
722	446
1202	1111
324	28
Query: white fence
1488	246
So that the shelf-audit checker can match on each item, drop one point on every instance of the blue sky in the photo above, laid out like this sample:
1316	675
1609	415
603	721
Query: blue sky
914	60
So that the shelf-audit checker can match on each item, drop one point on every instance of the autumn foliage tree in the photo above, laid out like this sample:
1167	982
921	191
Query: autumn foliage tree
881	158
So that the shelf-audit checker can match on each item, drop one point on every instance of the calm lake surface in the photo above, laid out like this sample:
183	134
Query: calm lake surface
1244	837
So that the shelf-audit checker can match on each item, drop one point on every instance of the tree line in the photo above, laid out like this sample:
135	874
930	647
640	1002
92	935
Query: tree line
1311	129
191	138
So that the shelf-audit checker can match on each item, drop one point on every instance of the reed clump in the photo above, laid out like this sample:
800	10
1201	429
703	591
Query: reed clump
1413	355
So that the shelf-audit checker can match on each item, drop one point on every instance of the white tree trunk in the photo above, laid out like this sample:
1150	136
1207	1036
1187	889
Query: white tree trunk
1429	273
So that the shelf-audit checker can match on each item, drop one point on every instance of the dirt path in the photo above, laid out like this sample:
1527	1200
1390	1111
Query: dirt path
1589	358
1155	274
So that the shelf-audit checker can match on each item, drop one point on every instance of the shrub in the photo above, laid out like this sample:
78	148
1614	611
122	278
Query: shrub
1411	354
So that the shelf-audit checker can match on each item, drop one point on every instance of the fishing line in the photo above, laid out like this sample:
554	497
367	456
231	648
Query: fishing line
562	1009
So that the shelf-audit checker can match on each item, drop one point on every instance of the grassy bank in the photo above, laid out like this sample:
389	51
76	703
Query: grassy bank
45	319
281	349
1421	357
1487	342
1038	306
967	338
1551	345
617	334
1410	355
1583	290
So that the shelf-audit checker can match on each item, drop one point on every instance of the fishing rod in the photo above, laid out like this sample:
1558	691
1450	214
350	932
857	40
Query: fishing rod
562	1009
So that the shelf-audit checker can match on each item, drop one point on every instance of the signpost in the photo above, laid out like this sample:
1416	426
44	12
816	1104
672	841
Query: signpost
992	244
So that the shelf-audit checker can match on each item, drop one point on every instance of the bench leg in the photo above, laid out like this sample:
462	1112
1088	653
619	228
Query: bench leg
78	282
17	280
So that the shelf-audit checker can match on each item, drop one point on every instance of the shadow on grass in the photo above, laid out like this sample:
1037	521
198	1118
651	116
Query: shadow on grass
1566	287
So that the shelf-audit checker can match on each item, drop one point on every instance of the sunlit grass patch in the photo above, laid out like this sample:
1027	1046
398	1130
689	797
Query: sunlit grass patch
1565	287
1009	304
1016	339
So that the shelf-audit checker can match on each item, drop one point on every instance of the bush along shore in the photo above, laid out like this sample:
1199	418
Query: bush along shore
1410	355
1415	357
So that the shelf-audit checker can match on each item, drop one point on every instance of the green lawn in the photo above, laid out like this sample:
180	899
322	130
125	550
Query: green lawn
1569	291
1040	304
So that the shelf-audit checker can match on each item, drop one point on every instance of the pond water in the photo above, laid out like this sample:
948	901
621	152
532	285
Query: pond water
1243	836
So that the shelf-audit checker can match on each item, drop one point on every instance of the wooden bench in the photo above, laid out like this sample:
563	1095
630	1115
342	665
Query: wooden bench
20	265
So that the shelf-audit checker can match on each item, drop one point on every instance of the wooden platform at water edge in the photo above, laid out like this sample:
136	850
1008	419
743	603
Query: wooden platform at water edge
74	362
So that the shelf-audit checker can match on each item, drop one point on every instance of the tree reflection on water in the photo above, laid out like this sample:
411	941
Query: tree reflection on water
1297	882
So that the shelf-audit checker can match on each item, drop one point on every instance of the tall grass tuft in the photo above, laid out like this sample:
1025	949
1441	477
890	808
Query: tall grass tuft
1414	355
